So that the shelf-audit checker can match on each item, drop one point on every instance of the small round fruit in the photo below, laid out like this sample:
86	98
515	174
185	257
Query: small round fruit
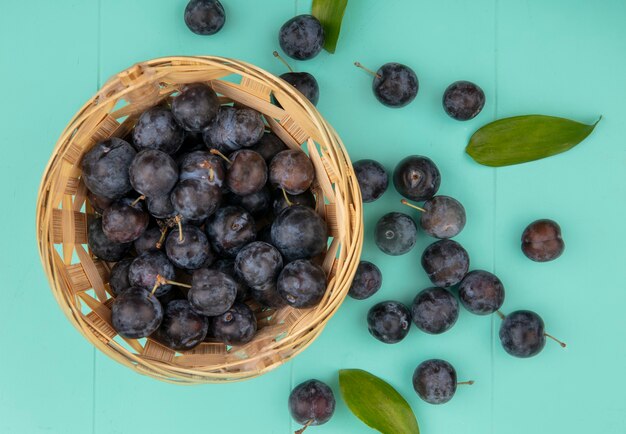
311	403
463	100
190	253
212	292
234	128
446	262
258	263
205	17
367	281
146	267
302	284
247	174
101	246
105	168
136	314
302	37
153	173
194	199
118	280
305	83
416	178
124	222
227	266
434	310
195	107
396	233
389	321
157	129
161	207
541	241
268	146
236	326
444	217
98	203
372	178
481	292
182	328
268	295
395	85
299	232
435	381
280	203
230	229
522	334
257	204
292	171
148	240
203	166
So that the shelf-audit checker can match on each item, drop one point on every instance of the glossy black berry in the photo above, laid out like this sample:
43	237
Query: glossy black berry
161	207
395	85
311	403
280	202
367	281
205	17
195	107
292	171
203	166
212	292
542	241
522	334
118	279
192	251
227	266
444	217
435	381
416	178
230	229
372	178
101	246
247	172
434	310
258	263
302	37
194	199
182	328
446	262
124	221
389	321
148	240
105	168
236	326
268	295
299	232
257	203
157	129
463	100
136	314
395	233
305	83
146	267
302	284
234	128
153	173
268	146
481	292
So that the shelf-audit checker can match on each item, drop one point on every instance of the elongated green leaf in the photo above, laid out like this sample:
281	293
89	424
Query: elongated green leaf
525	138
376	403
330	13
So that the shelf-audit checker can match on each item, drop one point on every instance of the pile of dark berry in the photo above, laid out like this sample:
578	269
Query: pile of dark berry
203	210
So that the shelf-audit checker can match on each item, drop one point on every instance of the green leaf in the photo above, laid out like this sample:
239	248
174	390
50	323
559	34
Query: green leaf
525	138
330	13
376	403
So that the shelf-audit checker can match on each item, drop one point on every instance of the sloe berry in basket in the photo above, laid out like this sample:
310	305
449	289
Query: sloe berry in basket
258	263
389	321
301	37
125	220
247	172
446	262
204	166
157	129
367	281
268	146
195	200
395	85
395	234
182	328
227	266
189	251
298	232
136	314
212	292
205	17
311	403
435	381
146	267
416	178
372	179
230	229
434	310
161	207
281	202
236	326
268	295
99	203
444	217
292	171
234	128
118	279
148	240
481	292
101	246
302	284
463	100
195	107
542	241
105	168
153	173
257	204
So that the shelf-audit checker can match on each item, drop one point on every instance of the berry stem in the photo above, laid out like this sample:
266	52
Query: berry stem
218	153
306	425
500	314
407	203
179	222
359	65
289	203
279	57
160	280
136	201
562	344
211	174
159	243
465	383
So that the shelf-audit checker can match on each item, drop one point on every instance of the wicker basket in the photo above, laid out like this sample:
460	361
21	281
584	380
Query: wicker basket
79	281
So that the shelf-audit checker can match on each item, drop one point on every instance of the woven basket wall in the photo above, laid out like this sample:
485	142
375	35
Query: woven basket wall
79	281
